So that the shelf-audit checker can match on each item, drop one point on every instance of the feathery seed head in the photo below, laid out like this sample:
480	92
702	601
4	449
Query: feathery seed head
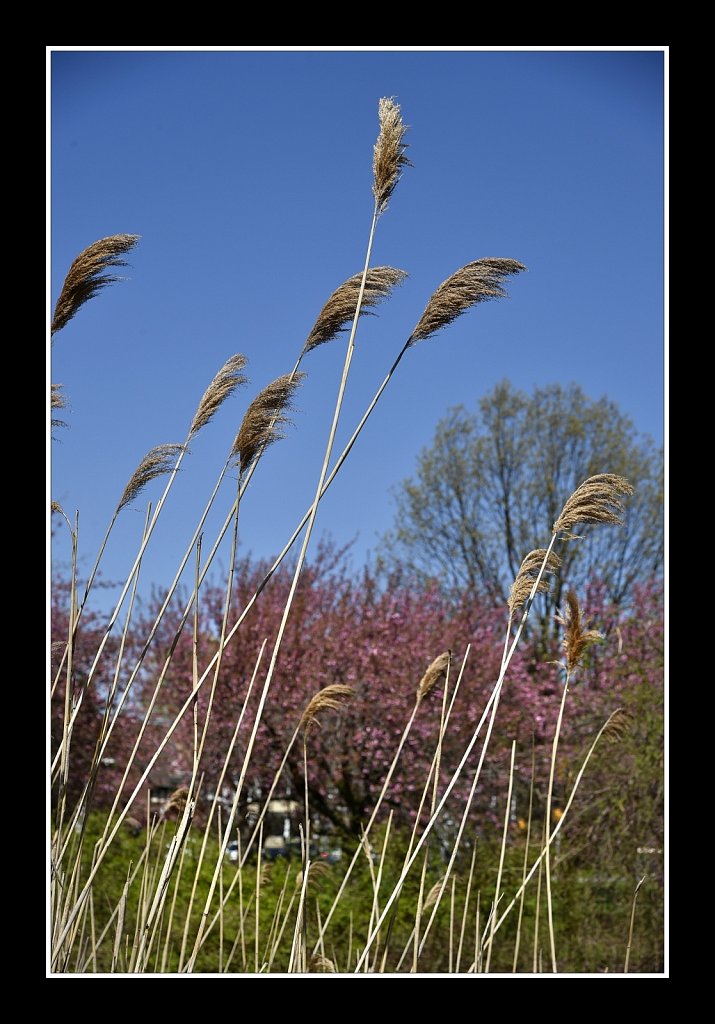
473	283
228	378
157	462
576	637
436	671
338	312
331	698
389	153
85	277
596	500
264	420
522	586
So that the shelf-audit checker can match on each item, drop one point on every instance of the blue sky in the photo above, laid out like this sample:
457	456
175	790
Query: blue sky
248	176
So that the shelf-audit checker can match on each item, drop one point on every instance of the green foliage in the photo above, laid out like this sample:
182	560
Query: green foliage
493	482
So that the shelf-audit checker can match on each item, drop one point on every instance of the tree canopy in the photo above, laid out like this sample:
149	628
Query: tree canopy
489	488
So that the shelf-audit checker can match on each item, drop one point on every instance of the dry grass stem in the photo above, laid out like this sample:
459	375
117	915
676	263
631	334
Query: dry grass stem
436	671
85	277
576	637
329	698
157	462
473	283
389	153
264	420
596	500
528	572
338	312
228	378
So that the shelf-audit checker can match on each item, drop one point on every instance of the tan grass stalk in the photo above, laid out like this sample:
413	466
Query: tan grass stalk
120	926
465	909
579	508
86	277
439	667
373	816
310	513
214	806
537	910
223	384
603	731
172	909
302	554
451	926
517	943
473	283
632	922
502	852
375	911
576	640
430	782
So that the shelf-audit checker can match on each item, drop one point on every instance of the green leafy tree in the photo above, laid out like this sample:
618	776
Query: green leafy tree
488	489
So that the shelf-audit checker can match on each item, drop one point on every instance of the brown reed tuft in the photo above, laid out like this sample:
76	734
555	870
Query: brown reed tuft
619	723
596	500
338	312
318	869
55	507
476	282
85	277
155	463
57	401
433	894
436	671
389	154
228	378
176	801
264	420
330	698
528	571
322	965
576	637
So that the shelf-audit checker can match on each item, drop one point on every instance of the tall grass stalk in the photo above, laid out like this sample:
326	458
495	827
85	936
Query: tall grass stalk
502	851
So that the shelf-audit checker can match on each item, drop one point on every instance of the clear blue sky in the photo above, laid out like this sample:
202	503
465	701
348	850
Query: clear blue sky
248	176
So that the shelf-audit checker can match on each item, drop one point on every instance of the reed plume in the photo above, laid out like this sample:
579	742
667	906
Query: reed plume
389	152
157	462
57	401
86	276
529	569
618	725
331	698
436	671
473	283
264	420
596	500
434	892
338	312
228	378
322	965
576	637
